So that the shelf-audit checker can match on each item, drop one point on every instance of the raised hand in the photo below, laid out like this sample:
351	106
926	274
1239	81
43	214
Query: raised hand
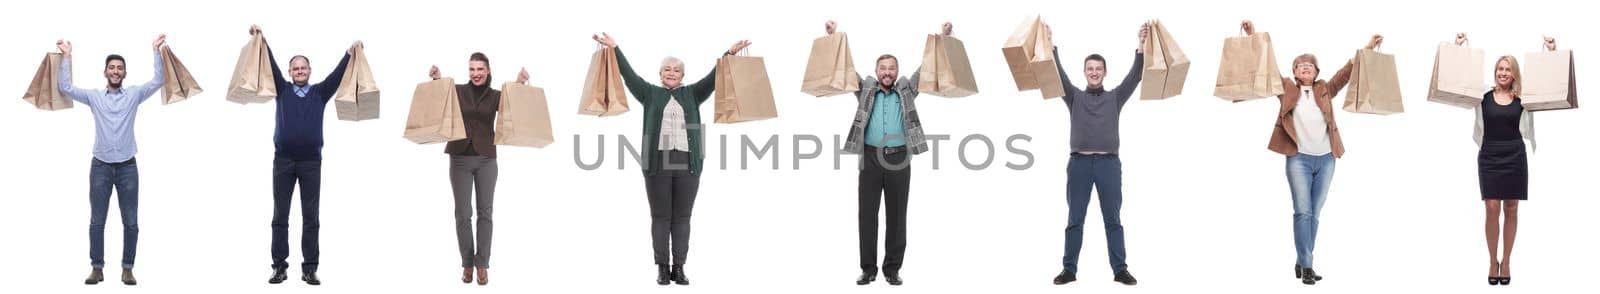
738	46
161	40
65	47
605	40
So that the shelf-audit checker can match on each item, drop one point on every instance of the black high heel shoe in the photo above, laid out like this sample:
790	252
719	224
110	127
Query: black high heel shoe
1506	281
1493	281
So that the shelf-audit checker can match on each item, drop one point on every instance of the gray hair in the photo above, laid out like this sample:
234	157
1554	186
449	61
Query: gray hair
671	61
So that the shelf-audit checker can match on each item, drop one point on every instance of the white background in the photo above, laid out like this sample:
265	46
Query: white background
1207	206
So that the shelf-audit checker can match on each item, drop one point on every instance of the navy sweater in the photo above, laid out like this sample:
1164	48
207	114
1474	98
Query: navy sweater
298	132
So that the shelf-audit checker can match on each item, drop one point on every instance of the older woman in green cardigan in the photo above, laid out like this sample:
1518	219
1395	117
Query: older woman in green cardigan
673	153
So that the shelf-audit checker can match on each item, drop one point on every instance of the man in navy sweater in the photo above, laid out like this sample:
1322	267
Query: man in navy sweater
298	140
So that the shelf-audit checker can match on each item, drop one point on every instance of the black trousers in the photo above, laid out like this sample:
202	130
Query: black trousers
886	172
285	173
671	192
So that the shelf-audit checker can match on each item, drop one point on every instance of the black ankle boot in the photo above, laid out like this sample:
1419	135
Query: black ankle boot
663	275
678	276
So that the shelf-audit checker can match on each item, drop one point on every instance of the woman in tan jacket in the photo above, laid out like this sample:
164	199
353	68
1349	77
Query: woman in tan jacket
1309	138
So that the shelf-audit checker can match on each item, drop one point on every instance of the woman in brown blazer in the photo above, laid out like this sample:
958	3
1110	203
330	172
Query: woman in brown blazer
473	166
1309	139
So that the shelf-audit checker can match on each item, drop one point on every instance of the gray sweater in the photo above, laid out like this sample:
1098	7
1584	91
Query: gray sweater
1095	112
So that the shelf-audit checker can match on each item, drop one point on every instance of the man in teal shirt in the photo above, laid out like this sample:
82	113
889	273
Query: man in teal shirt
885	132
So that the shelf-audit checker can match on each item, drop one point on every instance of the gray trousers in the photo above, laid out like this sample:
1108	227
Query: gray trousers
469	173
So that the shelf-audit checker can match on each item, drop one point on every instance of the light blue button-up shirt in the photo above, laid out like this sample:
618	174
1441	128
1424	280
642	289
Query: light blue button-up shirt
113	110
301	90
885	128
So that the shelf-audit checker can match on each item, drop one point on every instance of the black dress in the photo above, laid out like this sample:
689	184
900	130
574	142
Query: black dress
1502	160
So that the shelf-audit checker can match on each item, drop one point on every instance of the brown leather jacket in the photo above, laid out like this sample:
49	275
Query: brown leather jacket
1283	135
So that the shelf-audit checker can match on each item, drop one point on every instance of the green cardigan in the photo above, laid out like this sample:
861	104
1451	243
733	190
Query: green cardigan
654	99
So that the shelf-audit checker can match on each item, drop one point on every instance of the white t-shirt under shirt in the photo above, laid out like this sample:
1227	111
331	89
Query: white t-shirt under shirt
1309	127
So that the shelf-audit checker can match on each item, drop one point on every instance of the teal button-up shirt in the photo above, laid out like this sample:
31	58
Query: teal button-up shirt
885	128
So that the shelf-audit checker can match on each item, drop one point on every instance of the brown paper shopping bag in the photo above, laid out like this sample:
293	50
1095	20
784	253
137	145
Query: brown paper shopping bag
1374	84
1457	76
180	84
357	97
830	70
1166	68
743	91
603	93
44	93
435	113
946	71
524	117
1030	54
1549	81
252	80
1249	69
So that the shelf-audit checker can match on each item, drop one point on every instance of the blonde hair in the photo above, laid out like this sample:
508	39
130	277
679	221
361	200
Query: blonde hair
1306	58
1516	74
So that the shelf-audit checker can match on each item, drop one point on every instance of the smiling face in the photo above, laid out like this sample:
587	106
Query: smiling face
1305	68
1505	75
300	70
1095	72
478	72
888	70
671	73
116	70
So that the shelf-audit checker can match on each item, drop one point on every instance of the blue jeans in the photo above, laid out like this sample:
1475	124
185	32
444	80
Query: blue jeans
103	177
1103	173
1309	176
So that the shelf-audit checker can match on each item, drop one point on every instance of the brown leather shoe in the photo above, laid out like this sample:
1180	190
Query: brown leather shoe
483	276
127	277
466	275
95	277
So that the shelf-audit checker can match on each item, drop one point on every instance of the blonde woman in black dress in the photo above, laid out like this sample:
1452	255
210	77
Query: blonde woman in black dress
1503	161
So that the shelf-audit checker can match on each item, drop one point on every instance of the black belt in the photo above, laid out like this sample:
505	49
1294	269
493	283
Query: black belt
131	160
886	150
1094	154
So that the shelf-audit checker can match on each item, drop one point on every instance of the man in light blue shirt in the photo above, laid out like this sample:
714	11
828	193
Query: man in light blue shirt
113	166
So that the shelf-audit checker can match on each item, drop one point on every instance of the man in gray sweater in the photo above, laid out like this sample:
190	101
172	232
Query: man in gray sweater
1095	113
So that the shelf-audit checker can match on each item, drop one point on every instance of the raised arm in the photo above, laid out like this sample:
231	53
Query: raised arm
1066	83
64	78
160	79
337	75
1136	74
1342	78
636	85
703	88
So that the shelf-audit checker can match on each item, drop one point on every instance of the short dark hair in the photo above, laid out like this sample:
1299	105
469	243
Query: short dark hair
1095	57
478	56
111	57
889	56
301	57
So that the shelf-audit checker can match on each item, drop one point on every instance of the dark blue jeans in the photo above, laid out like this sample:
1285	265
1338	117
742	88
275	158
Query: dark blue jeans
1103	173
285	172
103	177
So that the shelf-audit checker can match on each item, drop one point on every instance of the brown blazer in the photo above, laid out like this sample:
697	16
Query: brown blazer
1283	135
478	116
